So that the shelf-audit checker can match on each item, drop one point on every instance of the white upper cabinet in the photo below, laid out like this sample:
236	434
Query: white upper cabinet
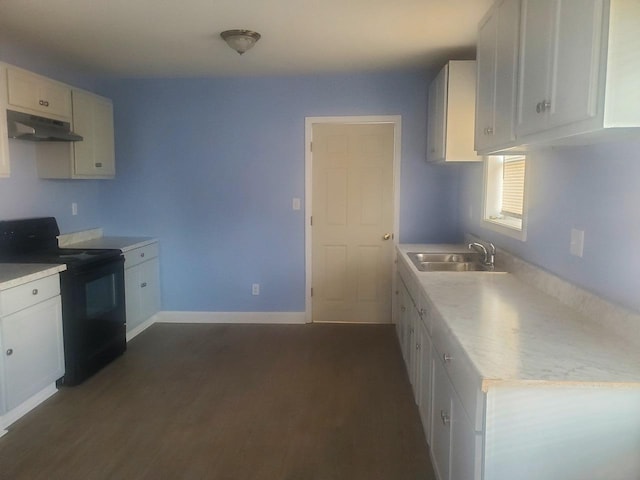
93	120
91	158
451	113
4	140
31	93
497	69
437	111
90	115
579	70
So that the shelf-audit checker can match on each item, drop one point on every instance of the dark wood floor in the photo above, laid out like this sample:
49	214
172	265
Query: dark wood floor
290	402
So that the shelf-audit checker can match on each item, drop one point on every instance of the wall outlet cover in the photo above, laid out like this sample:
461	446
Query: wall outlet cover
576	247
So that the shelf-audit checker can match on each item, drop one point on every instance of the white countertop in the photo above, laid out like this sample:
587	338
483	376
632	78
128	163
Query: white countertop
15	274
122	243
515	334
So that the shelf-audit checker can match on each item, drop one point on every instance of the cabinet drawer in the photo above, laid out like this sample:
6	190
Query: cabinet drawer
465	380
23	296
139	255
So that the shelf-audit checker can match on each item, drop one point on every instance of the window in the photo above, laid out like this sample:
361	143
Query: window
505	208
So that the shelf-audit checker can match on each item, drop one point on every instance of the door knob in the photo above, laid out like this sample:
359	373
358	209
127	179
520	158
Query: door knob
387	236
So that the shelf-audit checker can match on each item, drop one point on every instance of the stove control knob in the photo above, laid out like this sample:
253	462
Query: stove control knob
34	291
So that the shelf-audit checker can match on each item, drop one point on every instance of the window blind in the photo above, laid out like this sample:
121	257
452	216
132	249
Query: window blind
513	186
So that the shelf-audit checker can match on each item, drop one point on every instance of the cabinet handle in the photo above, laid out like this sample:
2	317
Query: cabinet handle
422	312
546	106
445	417
9	352
447	358
99	165
489	131
143	284
539	107
34	291
142	255
41	102
417	346
46	104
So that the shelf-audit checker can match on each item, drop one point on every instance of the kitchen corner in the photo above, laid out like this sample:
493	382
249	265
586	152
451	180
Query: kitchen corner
55	295
516	360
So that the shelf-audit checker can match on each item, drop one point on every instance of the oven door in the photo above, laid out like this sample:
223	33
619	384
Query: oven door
93	314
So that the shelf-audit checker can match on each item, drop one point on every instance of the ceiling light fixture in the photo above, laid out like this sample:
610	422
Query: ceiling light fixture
240	40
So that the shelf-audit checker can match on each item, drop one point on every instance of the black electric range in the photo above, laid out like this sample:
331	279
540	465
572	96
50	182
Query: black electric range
92	291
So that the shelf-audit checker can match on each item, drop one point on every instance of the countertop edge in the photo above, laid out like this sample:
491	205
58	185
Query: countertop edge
37	272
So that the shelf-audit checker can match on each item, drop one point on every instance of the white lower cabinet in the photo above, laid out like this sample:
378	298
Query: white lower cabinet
415	343
456	447
142	285
31	342
450	430
502	431
441	421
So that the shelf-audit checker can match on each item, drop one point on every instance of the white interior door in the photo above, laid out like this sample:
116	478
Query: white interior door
353	208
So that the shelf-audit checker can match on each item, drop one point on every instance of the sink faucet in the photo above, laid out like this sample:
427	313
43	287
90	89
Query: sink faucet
489	254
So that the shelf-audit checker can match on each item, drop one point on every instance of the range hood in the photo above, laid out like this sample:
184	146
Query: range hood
24	126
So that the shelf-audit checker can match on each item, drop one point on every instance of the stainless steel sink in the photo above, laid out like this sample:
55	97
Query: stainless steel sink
449	262
445	257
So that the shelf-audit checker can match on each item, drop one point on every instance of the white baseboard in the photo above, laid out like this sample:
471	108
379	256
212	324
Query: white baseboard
25	407
231	317
142	327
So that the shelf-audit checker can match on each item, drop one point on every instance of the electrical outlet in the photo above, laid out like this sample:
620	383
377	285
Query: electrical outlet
255	289
576	247
74	208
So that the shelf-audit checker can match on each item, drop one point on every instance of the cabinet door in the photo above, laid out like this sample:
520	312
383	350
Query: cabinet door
486	82
576	61
535	64
441	420
32	92
466	445
508	30
414	350
93	119
142	292
5	170
149	288
33	350
437	117
424	380
55	98
132	297
405	309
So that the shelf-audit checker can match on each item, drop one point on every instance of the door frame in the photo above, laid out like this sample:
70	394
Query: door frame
396	121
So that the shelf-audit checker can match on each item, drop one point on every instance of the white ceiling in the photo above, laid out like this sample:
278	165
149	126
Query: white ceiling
181	37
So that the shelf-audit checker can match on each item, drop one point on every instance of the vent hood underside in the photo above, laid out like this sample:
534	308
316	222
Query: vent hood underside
24	126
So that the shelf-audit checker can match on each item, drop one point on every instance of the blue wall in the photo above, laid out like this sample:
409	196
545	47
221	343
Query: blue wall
591	188
209	166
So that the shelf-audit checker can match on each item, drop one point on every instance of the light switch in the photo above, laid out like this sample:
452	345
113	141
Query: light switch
577	242
296	203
